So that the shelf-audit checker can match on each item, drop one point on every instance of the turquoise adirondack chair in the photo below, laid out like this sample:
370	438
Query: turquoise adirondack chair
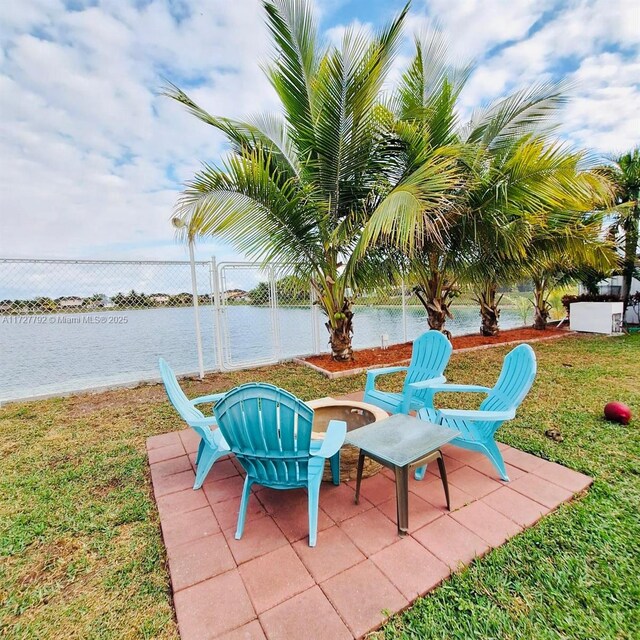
429	357
478	428
212	444
269	431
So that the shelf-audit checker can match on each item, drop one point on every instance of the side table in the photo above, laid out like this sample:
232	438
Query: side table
401	442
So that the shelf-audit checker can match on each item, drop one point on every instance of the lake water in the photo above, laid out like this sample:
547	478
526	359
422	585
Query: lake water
60	353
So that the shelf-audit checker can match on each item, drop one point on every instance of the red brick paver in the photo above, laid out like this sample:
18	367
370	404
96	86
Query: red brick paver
410	567
546	493
211	608
515	506
250	631
260	536
199	560
563	477
186	527
274	578
370	531
333	554
308	615
272	585
487	523
451	542
181	502
473	482
362	595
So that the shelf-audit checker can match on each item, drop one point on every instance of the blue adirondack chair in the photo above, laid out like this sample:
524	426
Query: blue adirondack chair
212	444
269	431
429	357
479	427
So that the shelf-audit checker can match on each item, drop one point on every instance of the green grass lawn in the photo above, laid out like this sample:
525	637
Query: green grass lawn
82	555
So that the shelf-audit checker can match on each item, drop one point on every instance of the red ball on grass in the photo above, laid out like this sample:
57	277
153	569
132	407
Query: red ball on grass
617	412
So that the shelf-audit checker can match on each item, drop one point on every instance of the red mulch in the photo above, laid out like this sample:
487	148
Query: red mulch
398	352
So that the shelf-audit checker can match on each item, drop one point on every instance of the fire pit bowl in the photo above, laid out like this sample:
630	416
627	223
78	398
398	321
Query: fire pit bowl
356	415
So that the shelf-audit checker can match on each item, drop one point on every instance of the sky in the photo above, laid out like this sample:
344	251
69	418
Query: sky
93	158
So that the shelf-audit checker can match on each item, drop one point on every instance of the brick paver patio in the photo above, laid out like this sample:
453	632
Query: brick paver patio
271	584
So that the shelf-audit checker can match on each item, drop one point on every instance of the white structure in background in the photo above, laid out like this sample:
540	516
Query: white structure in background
596	317
69	302
613	286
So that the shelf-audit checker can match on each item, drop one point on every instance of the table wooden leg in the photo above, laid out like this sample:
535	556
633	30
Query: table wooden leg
359	476
402	499
443	477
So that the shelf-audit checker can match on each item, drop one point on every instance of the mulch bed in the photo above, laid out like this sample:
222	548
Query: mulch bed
399	352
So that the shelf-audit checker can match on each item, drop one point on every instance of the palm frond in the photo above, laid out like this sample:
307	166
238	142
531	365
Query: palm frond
348	127
245	203
295	64
528	111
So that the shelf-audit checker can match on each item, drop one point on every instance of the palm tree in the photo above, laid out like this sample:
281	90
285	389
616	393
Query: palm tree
517	231
624	173
563	249
301	186
506	176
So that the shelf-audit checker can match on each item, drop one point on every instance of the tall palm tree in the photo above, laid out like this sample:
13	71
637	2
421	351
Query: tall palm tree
624	173
301	185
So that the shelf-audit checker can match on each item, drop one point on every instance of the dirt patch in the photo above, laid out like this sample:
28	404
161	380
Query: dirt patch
378	357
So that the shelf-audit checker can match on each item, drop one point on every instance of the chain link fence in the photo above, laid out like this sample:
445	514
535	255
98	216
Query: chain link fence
69	325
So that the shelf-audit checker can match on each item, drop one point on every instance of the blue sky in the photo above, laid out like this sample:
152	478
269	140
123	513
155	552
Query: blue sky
93	159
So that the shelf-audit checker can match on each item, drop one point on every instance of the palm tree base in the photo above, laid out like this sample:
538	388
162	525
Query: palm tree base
489	329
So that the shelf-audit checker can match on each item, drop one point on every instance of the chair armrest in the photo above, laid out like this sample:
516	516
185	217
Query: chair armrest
333	440
428	383
214	397
465	388
208	429
209	422
477	416
374	373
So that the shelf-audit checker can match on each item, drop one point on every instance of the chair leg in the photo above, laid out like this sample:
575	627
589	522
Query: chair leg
313	495
200	450
334	461
207	458
493	453
244	502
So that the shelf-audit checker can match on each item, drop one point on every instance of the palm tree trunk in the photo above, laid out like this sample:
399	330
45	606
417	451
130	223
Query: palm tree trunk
630	251
489	311
340	329
436	296
540	305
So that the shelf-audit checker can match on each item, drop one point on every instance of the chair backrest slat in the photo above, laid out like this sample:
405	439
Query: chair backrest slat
269	430
515	380
429	357
176	395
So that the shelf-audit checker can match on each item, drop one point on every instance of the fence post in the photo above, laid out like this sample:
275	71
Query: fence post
217	316
315	339
404	312
273	295
196	310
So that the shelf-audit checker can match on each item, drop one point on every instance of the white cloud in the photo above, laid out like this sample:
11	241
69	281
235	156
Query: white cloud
91	156
474	26
90	151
